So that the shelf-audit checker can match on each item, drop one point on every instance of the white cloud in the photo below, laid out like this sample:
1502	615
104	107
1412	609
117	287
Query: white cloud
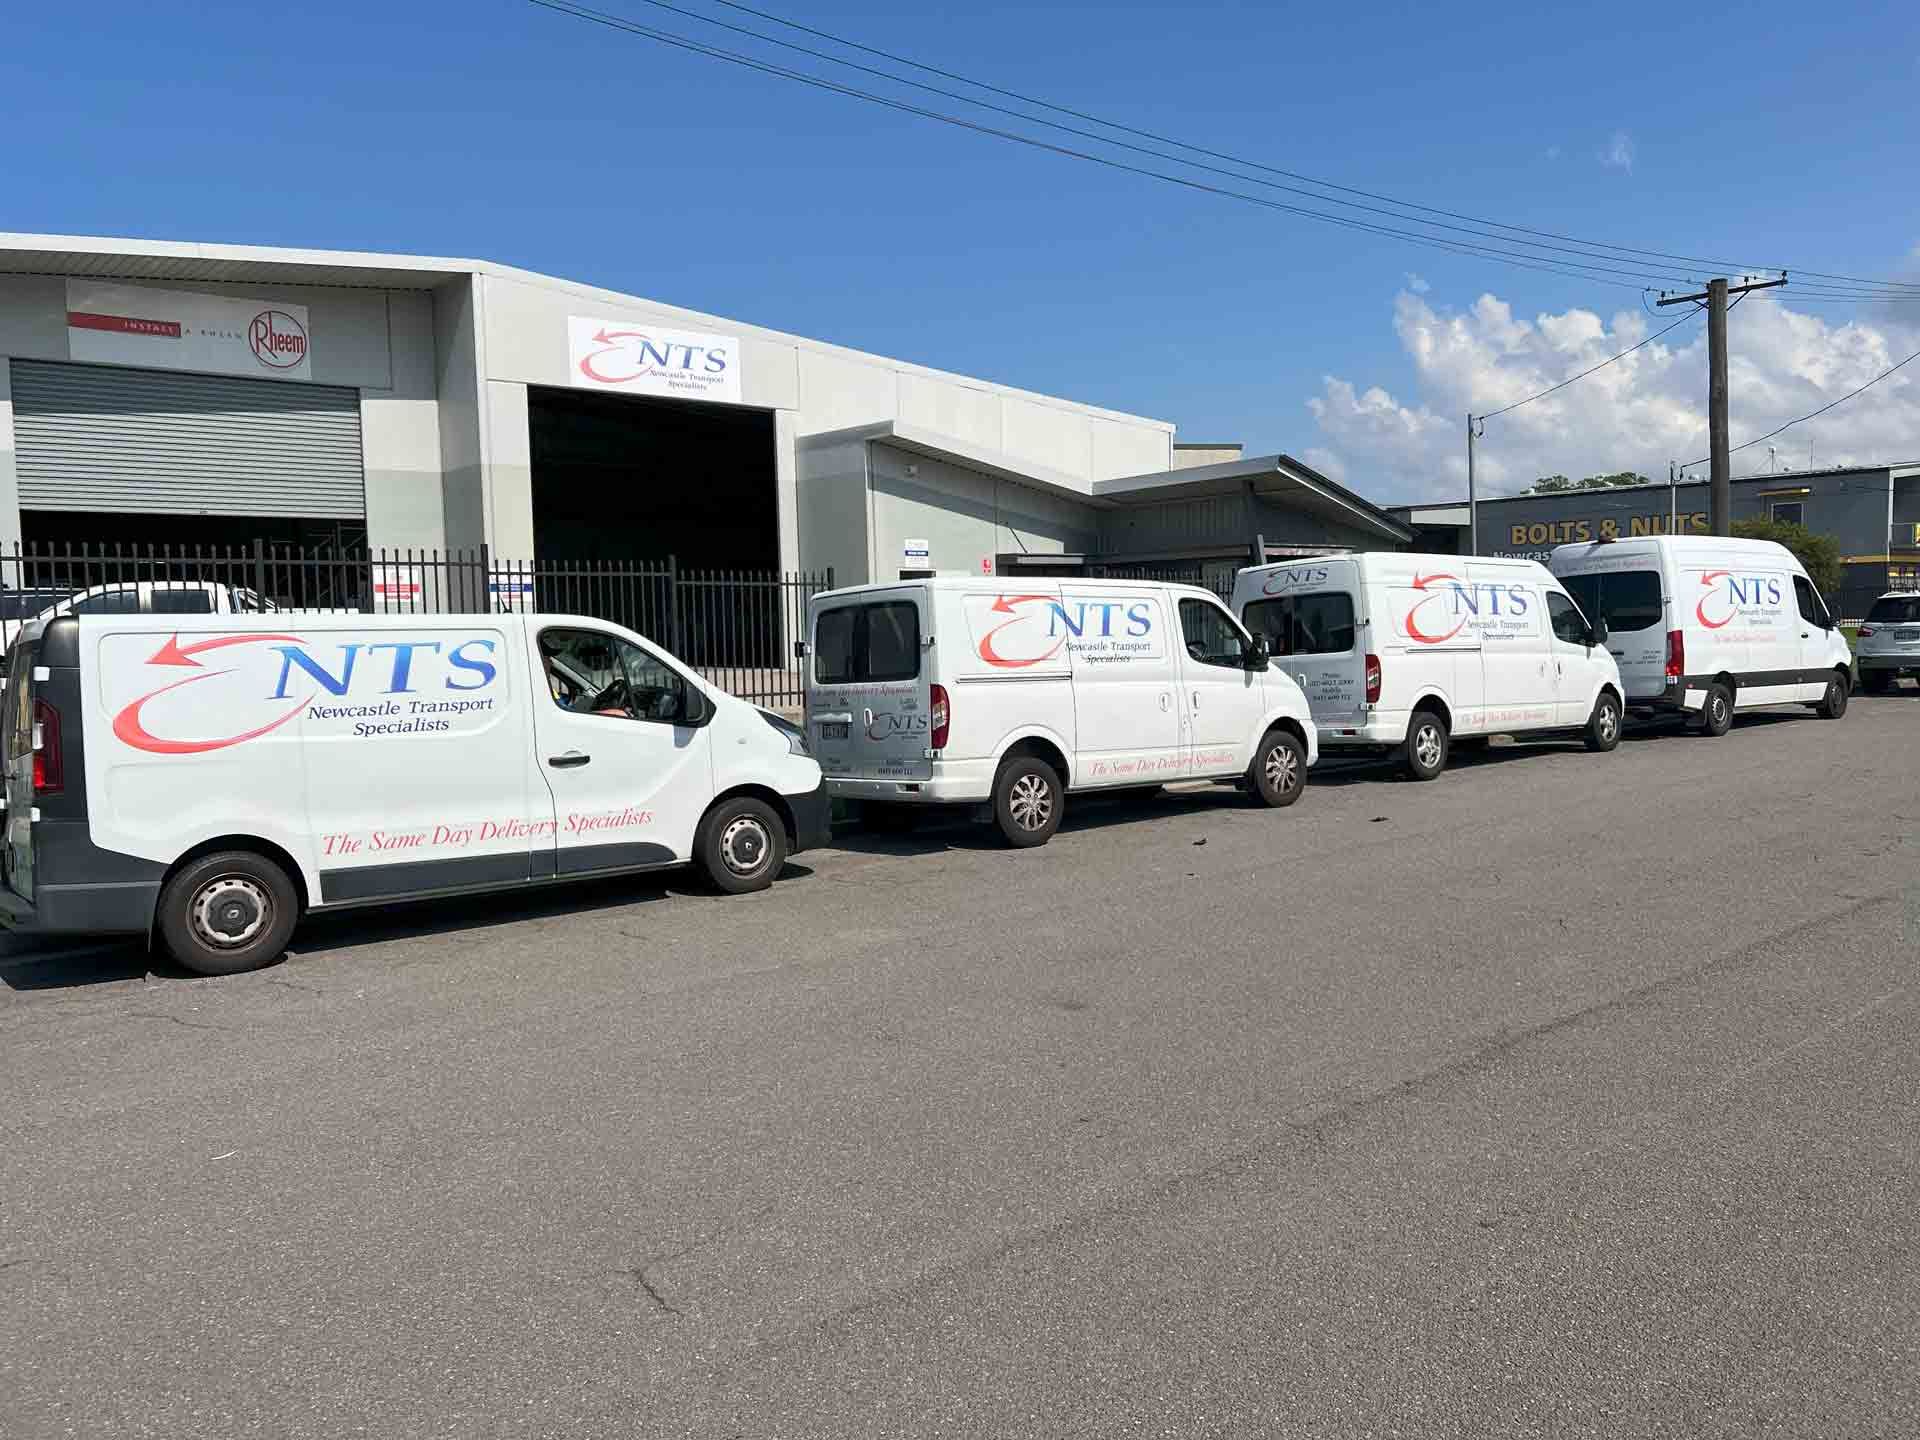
1417	283
1618	152
1637	413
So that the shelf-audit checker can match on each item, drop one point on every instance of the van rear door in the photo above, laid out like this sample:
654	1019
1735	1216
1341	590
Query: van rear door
1627	594
1310	616
869	693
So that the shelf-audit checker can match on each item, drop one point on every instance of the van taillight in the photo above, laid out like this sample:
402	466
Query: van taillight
1676	654
942	713
1373	679
49	776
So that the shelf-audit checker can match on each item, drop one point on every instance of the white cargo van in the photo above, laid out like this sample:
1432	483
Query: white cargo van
1412	652
1705	625
215	778
1012	692
1888	645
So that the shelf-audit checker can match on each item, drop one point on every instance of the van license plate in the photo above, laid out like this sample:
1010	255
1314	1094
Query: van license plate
833	729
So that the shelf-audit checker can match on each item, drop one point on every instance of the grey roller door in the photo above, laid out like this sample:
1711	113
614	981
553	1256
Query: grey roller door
95	437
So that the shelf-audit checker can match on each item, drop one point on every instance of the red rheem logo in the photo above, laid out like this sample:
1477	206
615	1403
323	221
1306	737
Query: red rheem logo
277	339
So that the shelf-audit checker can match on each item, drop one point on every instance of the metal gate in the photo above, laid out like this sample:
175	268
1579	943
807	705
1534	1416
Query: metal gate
101	438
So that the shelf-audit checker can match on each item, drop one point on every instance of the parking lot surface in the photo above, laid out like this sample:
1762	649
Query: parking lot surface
1568	1094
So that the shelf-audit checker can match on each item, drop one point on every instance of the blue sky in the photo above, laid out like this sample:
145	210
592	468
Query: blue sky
496	129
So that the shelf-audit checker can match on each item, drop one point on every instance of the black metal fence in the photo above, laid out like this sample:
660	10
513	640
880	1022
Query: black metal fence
737	627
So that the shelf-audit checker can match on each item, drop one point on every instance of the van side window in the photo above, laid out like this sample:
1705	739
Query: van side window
124	600
593	673
861	644
1568	624
1211	636
1319	624
1812	610
192	600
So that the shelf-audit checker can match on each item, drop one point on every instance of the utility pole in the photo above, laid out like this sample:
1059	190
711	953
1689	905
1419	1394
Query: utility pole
1673	499
1720	505
1473	496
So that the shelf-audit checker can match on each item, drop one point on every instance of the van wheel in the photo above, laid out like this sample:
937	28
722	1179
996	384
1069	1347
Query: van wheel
228	912
1833	704
741	845
1876	682
1425	755
1279	770
1716	718
1027	801
1603	726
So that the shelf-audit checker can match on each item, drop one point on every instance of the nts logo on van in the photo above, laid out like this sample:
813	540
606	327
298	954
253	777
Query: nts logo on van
1286	579
388	670
1728	594
1448	605
1072	620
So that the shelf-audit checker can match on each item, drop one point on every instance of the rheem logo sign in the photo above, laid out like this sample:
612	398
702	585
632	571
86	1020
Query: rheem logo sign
646	359
277	339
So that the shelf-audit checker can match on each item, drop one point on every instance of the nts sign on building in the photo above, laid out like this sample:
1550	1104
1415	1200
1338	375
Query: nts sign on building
644	359
187	330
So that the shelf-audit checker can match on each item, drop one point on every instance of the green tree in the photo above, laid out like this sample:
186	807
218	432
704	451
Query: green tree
1819	554
1561	485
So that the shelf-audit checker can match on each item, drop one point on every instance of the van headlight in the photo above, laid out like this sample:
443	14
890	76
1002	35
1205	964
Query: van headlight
796	737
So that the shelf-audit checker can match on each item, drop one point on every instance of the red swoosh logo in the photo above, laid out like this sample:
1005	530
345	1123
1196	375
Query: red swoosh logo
129	729
1700	610
1005	605
1422	582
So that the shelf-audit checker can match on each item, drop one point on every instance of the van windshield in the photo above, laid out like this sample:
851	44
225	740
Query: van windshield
1627	600
1895	610
861	644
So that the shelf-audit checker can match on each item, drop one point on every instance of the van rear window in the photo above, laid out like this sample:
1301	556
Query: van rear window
1895	610
1319	624
861	644
1627	600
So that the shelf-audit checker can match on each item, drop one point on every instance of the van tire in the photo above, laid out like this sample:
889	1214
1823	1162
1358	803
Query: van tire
1716	715
1279	771
1603	726
1027	802
228	912
1833	704
1425	754
741	845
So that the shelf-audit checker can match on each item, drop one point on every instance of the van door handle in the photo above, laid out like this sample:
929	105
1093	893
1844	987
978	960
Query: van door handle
568	761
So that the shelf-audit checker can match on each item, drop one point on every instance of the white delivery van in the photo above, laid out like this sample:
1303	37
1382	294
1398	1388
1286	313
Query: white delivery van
1888	644
1705	625
216	777
1011	692
1411	652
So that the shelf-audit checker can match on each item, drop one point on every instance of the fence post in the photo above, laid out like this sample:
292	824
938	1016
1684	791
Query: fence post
673	604
260	569
485	605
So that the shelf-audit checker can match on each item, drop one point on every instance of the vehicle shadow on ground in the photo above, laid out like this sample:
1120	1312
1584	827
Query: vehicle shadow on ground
69	966
954	828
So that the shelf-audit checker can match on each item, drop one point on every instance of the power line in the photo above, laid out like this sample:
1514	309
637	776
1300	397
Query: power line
1576	269
1761	439
735	5
1491	414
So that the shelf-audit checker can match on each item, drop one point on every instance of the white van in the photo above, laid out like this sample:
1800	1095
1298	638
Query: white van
1012	692
1413	652
215	778
1705	625
1888	644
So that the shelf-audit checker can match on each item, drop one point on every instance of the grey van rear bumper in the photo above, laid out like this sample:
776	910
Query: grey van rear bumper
110	908
812	818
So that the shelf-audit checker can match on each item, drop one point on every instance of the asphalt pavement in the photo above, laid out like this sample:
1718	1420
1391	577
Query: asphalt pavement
1570	1095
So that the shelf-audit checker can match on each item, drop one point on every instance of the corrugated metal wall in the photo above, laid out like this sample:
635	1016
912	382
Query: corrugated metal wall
97	437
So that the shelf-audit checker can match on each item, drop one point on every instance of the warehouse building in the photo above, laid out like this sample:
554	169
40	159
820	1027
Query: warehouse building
1872	512
179	394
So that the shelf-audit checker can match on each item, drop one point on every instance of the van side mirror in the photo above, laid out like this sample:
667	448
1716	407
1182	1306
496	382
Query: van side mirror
1256	654
1597	631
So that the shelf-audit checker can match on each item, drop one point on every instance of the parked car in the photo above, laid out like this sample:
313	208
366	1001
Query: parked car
216	779
1013	693
1411	653
1887	645
1707	625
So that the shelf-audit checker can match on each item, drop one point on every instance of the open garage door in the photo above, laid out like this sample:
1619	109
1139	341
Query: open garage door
619	477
